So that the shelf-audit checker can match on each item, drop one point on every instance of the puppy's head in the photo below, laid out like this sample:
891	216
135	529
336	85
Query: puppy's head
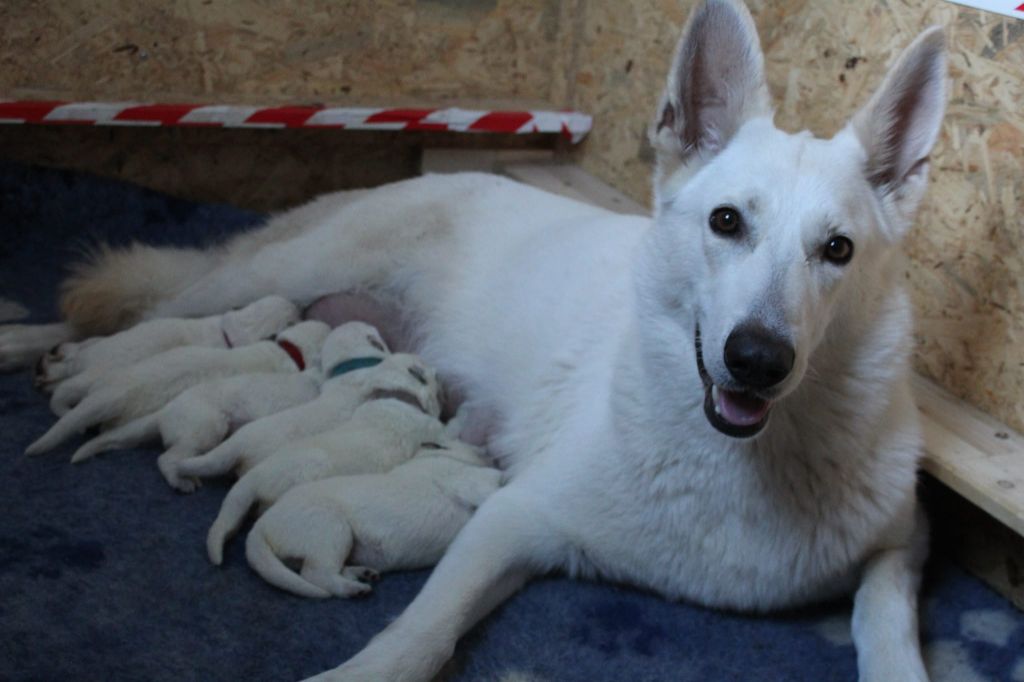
765	241
350	341
404	373
261	319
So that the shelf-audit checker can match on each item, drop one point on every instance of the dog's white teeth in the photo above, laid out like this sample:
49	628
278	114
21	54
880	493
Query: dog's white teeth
714	399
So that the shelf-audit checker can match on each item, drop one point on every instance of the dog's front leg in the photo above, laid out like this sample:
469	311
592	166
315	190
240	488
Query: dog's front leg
885	611
506	542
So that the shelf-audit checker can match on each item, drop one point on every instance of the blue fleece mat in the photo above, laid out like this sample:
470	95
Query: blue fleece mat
103	573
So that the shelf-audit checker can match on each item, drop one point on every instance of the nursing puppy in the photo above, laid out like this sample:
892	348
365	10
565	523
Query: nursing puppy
147	386
401	520
399	374
380	435
202	416
75	367
711	403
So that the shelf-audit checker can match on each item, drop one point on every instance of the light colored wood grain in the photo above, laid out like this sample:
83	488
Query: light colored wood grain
973	453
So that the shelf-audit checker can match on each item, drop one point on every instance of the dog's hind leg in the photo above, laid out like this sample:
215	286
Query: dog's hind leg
95	409
506	542
135	432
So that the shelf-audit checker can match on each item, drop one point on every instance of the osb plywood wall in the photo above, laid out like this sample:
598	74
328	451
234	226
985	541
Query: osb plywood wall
392	51
824	58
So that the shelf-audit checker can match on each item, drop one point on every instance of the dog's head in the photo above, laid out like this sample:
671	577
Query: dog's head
259	320
352	340
763	239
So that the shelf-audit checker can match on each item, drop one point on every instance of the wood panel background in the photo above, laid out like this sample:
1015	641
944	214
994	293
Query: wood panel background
607	58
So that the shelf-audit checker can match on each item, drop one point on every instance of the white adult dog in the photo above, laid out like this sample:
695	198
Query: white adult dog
400	520
380	435
74	367
712	404
151	384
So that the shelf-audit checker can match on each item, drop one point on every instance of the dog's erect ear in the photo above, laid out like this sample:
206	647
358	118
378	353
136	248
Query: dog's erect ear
900	124
715	85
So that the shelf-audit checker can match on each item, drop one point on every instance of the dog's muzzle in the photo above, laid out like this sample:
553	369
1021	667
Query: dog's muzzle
736	413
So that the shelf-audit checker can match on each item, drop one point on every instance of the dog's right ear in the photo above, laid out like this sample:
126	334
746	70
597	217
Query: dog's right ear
715	85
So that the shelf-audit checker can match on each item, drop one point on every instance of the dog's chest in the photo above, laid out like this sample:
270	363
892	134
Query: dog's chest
730	536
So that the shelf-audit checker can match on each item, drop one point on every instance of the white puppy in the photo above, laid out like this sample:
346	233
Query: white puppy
200	418
75	367
150	384
399	374
400	520
380	435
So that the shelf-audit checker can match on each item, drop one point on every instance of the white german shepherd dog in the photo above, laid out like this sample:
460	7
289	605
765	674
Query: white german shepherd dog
711	403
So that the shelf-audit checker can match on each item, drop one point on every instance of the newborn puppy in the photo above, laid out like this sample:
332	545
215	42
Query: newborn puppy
74	367
380	435
401	520
150	384
397	375
202	416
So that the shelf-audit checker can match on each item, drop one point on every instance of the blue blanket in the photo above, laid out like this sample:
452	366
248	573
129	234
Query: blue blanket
103	572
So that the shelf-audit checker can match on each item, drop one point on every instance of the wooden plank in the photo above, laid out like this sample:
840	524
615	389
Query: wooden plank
973	453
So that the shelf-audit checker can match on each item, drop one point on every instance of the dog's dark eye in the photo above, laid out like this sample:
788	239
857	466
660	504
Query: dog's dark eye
726	221
838	250
376	344
418	374
431	446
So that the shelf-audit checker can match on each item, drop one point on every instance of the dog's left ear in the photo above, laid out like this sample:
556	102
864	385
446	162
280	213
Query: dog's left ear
715	85
900	124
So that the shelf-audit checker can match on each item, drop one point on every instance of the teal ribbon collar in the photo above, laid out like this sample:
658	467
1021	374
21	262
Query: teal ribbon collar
352	365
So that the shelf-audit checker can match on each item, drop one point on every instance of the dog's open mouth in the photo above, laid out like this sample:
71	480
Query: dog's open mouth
739	414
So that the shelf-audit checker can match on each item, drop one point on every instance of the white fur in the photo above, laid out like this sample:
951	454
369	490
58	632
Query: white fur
380	435
73	368
202	416
575	329
23	344
400	520
147	386
338	400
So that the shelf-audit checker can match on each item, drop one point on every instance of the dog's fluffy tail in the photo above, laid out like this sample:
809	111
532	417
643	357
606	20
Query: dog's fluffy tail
113	288
133	433
264	561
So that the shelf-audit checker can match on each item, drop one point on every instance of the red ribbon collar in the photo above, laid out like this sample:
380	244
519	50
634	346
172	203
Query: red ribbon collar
293	352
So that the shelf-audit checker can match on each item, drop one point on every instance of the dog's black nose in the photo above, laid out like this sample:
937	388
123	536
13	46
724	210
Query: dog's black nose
758	358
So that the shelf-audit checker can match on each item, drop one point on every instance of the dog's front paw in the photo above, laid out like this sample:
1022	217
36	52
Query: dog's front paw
169	468
361	573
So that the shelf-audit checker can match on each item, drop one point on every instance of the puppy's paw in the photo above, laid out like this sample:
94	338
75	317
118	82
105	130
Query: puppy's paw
361	573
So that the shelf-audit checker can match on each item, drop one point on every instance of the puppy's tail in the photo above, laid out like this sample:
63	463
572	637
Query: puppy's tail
233	510
129	435
113	288
264	561
89	412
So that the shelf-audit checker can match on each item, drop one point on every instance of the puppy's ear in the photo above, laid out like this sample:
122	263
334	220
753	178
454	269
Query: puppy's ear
716	84
900	124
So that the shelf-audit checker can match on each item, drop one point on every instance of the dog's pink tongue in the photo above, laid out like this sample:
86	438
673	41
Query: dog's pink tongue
741	409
